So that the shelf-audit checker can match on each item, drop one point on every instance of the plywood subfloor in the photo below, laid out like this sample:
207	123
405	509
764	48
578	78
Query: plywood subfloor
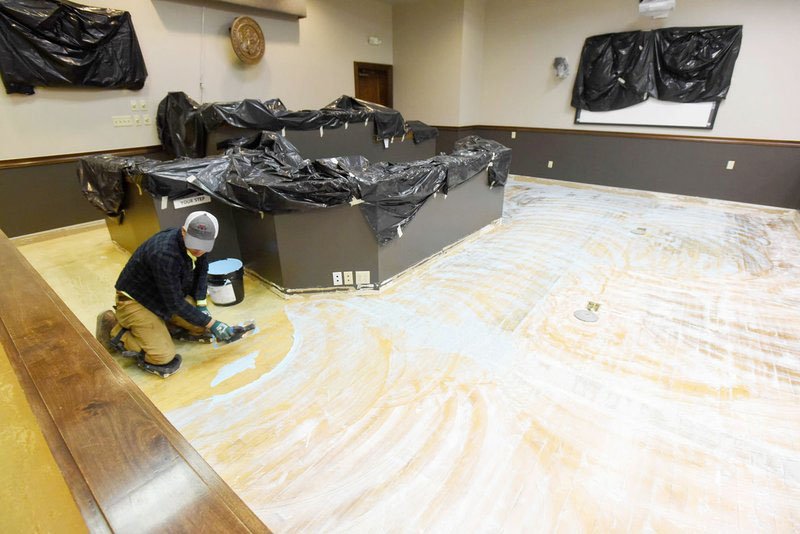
467	397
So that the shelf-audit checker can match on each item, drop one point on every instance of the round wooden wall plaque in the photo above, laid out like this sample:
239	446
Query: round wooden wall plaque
247	40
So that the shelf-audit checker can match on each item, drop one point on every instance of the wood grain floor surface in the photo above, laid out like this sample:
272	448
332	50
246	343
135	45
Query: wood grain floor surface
467	396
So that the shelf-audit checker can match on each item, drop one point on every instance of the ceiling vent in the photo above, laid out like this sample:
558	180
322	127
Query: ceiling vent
658	9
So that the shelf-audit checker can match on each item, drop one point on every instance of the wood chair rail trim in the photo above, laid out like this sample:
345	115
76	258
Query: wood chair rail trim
69	158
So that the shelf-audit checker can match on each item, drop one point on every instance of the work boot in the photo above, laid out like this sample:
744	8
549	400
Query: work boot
181	334
105	322
163	371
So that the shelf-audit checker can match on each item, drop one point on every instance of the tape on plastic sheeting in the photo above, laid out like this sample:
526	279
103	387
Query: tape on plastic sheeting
346	124
366	121
164	202
283	131
321	131
403	139
385	143
399	231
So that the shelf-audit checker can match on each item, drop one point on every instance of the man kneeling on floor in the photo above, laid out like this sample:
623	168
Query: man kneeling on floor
161	295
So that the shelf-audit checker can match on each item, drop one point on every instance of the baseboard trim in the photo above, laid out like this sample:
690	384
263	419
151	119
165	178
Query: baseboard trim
46	235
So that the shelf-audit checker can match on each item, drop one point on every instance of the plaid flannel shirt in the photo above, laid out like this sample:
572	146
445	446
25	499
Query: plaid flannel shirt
159	276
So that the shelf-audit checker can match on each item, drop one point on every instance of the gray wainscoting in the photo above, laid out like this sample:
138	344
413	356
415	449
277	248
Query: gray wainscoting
765	172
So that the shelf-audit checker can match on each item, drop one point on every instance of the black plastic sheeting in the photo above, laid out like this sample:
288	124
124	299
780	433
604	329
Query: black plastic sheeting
102	180
615	72
422	132
696	64
618	70
57	43
183	124
388	122
267	174
501	156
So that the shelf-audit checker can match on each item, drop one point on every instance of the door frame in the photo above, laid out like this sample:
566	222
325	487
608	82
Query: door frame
375	66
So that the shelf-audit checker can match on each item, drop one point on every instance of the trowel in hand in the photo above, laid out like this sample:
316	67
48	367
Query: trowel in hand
240	331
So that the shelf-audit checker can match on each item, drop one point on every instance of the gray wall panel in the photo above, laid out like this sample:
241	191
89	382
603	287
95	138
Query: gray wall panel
43	197
314	244
259	244
765	173
441	222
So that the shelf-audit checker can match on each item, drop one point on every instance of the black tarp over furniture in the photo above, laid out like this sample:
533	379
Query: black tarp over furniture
50	43
270	176
184	125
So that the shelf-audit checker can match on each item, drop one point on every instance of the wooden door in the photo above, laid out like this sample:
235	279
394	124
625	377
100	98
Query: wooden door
373	82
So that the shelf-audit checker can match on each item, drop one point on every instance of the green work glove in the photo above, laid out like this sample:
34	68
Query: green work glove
202	305
221	331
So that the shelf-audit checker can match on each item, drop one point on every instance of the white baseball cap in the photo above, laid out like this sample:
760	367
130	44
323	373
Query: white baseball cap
202	229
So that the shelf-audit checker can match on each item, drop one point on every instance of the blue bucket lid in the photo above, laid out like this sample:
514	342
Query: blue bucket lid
223	267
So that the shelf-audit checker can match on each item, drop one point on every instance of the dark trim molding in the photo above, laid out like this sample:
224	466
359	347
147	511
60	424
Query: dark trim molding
68	158
631	135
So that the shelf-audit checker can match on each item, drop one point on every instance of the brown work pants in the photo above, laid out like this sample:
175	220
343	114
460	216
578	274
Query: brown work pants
147	331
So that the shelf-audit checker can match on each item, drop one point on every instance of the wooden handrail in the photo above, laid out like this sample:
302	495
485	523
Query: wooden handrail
69	158
128	468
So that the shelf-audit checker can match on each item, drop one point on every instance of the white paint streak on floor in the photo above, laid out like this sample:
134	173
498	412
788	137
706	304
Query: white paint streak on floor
466	396
235	367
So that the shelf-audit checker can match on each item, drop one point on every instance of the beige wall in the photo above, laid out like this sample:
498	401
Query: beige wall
427	60
456	63
307	64
520	39
472	62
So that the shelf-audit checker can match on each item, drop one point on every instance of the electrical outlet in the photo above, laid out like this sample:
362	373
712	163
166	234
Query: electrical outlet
362	277
348	278
143	105
134	105
137	120
730	164
337	278
146	120
513	135
550	164
122	120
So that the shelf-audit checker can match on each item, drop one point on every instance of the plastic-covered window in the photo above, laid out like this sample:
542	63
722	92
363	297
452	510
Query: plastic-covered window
615	72
618	70
695	64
